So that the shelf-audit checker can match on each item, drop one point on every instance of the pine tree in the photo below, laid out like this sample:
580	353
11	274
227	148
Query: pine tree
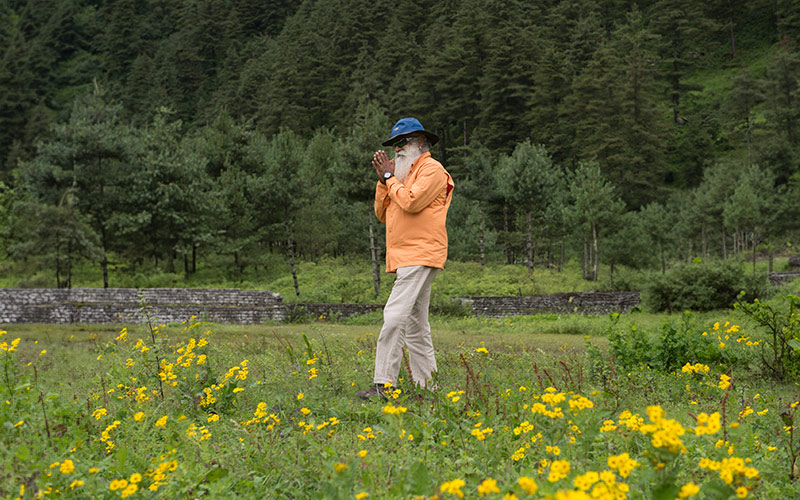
594	206
783	111
679	24
16	99
531	183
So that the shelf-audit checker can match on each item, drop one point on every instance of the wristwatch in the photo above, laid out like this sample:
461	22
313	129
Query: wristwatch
387	176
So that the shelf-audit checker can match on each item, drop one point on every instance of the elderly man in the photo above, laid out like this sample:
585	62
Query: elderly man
412	197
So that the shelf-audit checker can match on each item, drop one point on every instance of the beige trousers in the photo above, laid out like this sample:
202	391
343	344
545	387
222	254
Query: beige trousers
405	322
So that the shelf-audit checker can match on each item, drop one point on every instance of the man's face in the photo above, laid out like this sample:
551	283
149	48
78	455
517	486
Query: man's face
405	155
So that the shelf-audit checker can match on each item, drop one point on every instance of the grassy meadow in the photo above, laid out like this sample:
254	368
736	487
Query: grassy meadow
528	407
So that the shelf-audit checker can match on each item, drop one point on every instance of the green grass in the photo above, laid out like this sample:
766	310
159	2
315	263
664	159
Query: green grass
60	376
347	280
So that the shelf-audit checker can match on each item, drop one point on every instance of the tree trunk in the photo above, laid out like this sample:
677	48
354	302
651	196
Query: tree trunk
68	284
58	262
585	260
561	256
594	248
104	262
236	266
481	240
170	262
186	266
194	258
529	242
509	257
771	258
724	245
373	252
290	252
755	242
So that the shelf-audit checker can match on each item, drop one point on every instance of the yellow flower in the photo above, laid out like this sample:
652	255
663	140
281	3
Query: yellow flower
118	484
390	409
488	486
67	467
724	382
453	487
94	470
300	396
135	478
74	484
528	485
482	350
688	490
99	413
362	453
213	418
138	416
161	422
44	351
130	490
340	467
362	495
18	424
559	469
741	492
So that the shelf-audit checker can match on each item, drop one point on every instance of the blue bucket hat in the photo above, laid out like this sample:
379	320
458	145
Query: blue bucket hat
408	126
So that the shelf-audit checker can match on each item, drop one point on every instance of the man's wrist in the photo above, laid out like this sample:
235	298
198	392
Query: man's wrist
386	176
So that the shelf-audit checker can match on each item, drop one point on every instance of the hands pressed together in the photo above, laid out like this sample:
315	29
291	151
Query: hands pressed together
382	164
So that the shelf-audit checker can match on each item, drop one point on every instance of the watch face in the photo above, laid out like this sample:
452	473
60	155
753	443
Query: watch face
386	175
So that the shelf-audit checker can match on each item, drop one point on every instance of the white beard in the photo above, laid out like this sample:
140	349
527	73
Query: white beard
404	160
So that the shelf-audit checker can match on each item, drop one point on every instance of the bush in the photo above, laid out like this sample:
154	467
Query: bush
780	323
450	308
677	343
703	287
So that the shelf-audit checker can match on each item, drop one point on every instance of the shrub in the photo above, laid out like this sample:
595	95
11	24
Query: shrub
676	343
450	307
780	357
703	287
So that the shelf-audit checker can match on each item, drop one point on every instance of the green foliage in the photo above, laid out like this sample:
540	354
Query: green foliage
702	286
780	325
677	342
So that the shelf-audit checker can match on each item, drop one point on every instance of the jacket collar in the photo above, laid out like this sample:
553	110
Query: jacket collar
419	160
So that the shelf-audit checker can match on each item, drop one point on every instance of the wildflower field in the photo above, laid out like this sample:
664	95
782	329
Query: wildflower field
198	410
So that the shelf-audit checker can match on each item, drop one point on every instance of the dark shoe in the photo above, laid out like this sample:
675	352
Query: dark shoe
375	391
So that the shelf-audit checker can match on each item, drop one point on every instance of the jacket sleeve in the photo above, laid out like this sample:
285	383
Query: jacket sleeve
381	201
429	184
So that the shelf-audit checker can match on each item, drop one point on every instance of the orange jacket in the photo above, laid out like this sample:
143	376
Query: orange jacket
415	215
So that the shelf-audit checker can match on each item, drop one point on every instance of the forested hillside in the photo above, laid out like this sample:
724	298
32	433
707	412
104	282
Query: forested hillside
169	132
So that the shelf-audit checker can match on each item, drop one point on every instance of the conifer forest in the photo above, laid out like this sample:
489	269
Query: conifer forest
610	132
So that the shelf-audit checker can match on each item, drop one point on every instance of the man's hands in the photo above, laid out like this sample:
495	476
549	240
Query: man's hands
382	164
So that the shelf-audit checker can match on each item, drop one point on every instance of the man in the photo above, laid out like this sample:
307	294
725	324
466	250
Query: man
412	197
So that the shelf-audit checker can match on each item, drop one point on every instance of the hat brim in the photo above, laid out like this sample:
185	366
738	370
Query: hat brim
432	138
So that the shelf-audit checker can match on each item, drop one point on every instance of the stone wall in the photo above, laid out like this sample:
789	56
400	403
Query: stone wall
561	303
114	305
168	305
778	279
